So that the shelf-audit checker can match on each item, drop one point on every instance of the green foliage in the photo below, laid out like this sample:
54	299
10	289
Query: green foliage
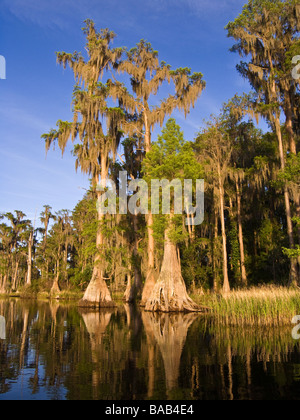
170	158
292	253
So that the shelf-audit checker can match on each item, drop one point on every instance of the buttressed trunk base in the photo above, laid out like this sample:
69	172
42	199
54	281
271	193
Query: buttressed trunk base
169	293
149	286
97	294
55	288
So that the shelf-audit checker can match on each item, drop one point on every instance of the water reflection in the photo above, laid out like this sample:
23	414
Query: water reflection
53	351
169	331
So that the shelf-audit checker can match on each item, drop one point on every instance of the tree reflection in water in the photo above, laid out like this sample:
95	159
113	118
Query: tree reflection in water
169	331
57	351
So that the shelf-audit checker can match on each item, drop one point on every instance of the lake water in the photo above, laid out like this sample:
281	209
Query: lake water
52	351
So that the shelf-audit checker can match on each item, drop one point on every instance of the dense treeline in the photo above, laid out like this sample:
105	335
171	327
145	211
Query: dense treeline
251	230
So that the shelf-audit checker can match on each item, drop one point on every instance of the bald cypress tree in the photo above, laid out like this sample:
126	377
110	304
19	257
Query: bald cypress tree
265	32
95	143
215	152
171	158
147	75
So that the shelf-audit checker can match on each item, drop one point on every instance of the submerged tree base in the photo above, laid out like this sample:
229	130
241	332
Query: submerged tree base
170	296
169	293
55	290
97	294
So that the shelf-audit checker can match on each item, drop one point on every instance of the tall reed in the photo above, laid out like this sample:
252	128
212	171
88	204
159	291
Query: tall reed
256	306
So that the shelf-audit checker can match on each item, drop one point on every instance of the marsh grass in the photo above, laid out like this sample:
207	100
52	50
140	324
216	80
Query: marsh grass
262	306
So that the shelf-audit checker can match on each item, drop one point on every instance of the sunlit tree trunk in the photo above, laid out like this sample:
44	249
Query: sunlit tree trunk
3	284
14	284
293	271
241	236
55	287
215	240
128	295
97	293
29	263
293	148
226	286
169	293
289	123
150	277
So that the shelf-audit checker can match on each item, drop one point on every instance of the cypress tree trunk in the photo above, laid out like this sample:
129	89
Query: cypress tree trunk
293	270
169	293
3	284
293	148
128	295
226	286
14	284
29	270
55	287
289	123
97	293
215	239
151	275
241	236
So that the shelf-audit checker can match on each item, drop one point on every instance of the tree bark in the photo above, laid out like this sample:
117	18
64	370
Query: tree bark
97	293
55	287
151	275
226	286
215	239
293	148
241	236
29	270
293	270
169	293
14	285
289	123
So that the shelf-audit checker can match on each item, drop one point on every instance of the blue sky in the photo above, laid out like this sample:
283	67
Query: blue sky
37	92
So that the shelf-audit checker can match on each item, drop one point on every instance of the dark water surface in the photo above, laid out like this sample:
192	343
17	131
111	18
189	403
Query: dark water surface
53	351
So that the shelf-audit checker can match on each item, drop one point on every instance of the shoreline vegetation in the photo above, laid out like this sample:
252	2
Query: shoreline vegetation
255	307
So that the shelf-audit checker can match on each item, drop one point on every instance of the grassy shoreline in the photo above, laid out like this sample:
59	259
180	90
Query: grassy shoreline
261	306
257	306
